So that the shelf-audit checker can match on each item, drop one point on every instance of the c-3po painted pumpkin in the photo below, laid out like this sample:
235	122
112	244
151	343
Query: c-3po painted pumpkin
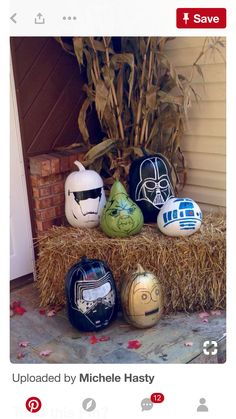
141	299
121	217
84	197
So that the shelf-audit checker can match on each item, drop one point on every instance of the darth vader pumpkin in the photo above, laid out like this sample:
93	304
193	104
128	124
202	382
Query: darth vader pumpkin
91	295
150	184
179	217
141	298
121	217
84	197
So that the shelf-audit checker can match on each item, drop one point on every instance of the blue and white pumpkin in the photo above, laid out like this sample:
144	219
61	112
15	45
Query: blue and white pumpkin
179	217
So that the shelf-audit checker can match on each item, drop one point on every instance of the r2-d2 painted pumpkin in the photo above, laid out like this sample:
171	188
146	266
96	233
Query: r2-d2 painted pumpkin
91	295
84	197
141	299
150	184
179	217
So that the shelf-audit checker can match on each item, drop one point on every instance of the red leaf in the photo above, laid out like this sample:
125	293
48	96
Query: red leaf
42	311
16	308
45	353
104	338
134	344
23	344
19	310
93	340
15	304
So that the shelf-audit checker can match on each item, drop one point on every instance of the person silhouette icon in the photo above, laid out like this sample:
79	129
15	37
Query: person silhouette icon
202	407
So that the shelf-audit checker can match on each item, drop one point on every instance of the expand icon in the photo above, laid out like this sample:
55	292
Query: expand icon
210	347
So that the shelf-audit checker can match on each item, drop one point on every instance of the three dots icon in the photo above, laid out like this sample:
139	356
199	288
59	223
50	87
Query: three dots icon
69	18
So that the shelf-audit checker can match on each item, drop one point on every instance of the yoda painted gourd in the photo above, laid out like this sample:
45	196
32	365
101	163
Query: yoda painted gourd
84	197
141	298
121	217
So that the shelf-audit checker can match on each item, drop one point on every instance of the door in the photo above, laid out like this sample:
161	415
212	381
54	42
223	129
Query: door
21	243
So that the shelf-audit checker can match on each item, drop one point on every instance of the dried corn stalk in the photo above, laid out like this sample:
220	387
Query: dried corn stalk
141	100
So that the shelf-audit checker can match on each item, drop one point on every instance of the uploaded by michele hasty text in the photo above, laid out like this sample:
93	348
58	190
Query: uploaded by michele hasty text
82	378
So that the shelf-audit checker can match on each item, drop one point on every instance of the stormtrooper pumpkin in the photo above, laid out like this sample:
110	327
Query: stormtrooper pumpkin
179	217
84	197
121	217
141	298
150	184
91	295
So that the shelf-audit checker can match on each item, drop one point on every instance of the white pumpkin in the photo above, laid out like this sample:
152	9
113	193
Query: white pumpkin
84	197
179	217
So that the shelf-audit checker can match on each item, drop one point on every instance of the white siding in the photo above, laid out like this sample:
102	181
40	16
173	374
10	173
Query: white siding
204	143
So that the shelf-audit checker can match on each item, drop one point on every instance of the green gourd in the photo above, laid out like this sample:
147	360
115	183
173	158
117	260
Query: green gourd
121	217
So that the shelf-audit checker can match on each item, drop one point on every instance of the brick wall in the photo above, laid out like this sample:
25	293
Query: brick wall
48	173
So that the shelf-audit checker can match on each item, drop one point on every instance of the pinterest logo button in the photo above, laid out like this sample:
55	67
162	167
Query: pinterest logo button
33	404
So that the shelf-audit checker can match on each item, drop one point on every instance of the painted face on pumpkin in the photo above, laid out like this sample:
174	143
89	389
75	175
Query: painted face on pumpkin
91	295
86	204
145	299
154	185
95	299
122	215
85	197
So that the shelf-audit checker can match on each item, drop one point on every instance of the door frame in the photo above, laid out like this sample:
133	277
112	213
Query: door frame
14	119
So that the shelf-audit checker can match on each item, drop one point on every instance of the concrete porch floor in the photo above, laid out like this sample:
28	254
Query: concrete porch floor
164	343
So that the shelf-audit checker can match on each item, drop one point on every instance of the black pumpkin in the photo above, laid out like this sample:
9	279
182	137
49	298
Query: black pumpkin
150	184
91	295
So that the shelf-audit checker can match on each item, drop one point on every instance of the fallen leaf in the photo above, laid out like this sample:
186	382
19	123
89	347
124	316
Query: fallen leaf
205	320
188	344
104	338
19	310
42	311
51	313
58	307
203	315
20	355
134	344
15	304
215	312
93	340
16	308
23	344
45	353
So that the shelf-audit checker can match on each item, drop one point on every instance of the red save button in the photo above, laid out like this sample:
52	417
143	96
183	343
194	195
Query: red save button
201	18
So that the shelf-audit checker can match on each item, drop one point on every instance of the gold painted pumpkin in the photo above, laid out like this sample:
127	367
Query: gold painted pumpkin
141	298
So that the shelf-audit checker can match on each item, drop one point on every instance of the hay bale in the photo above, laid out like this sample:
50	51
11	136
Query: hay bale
192	270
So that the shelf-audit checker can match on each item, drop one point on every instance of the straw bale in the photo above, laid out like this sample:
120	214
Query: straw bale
191	270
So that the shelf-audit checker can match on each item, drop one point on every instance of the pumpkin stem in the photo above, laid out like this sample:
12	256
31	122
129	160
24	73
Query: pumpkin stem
140	269
79	165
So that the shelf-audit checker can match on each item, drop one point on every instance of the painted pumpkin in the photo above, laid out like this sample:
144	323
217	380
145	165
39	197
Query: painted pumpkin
141	299
179	217
84	197
91	295
121	217
150	184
